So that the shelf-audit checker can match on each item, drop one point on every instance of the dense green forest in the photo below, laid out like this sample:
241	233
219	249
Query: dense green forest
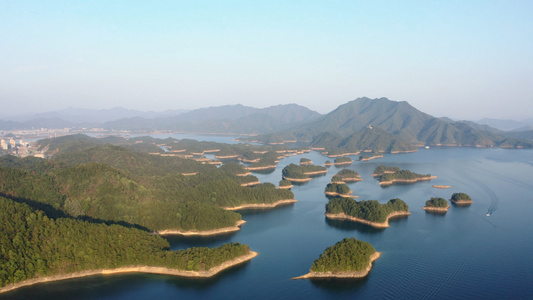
100	191
436	202
33	244
348	175
301	172
344	160
380	170
370	210
461	197
348	255
402	175
339	188
305	161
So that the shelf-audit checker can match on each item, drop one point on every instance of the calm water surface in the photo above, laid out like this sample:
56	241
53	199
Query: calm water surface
462	254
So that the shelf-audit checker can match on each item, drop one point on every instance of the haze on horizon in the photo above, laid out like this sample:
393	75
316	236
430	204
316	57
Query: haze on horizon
459	59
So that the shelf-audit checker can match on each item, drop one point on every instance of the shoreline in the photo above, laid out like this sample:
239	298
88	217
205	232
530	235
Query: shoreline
136	269
298	179
441	186
316	172
261	168
436	209
285	187
343	216
223	230
262	205
371	158
407	180
462	202
341	195
351	274
251	183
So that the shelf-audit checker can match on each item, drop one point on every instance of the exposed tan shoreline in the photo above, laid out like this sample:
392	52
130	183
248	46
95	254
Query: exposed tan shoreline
354	274
316	172
251	183
343	216
285	187
136	269
237	227
407	180
441	186
462	202
298	179
262	205
261	168
435	209
371	157
341	195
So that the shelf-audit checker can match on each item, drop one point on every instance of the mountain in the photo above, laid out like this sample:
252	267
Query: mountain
400	119
92	116
234	119
507	125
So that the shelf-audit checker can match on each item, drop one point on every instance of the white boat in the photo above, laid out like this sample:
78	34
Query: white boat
488	214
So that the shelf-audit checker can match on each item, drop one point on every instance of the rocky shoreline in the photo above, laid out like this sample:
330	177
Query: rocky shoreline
436	209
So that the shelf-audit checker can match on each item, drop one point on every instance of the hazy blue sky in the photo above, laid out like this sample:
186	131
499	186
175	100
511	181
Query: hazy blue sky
461	59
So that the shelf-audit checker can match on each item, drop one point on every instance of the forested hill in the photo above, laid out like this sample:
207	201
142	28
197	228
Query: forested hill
398	118
34	245
113	183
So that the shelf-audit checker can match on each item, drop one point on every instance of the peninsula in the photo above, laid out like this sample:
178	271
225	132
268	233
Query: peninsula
136	269
349	258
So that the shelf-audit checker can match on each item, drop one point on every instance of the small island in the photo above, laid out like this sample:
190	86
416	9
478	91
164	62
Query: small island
297	173
305	161
441	186
348	175
349	258
285	184
388	176
328	163
436	204
338	189
461	199
342	161
369	212
374	155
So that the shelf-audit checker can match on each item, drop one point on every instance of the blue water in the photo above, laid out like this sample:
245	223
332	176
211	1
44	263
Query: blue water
462	254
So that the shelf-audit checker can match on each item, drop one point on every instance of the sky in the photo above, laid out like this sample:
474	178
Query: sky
459	59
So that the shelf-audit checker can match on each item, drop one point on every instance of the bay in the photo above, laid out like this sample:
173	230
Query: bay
462	254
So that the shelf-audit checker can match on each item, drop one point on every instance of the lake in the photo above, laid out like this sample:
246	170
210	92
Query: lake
462	254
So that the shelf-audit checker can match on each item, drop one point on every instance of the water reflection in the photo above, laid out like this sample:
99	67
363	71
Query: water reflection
346	225
339	285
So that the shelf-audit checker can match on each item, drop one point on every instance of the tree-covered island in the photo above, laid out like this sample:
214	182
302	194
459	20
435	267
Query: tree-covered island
391	175
297	173
349	175
436	204
348	258
461	199
342	161
369	212
338	189
36	247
